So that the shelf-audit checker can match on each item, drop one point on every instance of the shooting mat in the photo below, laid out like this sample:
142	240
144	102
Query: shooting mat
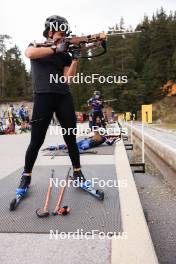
87	212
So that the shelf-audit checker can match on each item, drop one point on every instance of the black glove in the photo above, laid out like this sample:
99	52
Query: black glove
76	53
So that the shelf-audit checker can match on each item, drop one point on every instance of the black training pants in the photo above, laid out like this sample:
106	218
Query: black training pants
100	115
44	107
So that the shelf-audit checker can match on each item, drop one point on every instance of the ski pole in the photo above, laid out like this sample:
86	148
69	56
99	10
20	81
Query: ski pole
44	212
65	209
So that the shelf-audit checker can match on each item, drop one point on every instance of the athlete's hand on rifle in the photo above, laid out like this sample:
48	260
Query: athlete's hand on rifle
59	47
76	53
99	102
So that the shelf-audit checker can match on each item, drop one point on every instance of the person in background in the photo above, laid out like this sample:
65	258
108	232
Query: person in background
90	120
11	118
97	105
91	142
22	116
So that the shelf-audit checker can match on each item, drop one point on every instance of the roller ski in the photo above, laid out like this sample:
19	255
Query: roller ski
21	191
85	185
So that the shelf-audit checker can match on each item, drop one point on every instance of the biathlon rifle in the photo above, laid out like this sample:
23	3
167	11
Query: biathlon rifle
110	100
89	42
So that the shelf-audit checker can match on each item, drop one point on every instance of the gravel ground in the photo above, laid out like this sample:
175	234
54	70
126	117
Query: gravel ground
158	198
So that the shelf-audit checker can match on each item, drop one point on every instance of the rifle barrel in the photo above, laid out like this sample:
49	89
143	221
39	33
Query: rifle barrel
124	33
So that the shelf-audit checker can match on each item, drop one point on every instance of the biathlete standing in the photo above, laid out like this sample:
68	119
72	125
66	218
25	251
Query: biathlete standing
51	97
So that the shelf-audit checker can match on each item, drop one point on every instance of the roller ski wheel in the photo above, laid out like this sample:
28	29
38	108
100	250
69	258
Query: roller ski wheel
100	194
20	194
15	202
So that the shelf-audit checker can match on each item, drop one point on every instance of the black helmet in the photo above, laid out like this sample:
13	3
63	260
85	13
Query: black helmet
97	93
56	23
